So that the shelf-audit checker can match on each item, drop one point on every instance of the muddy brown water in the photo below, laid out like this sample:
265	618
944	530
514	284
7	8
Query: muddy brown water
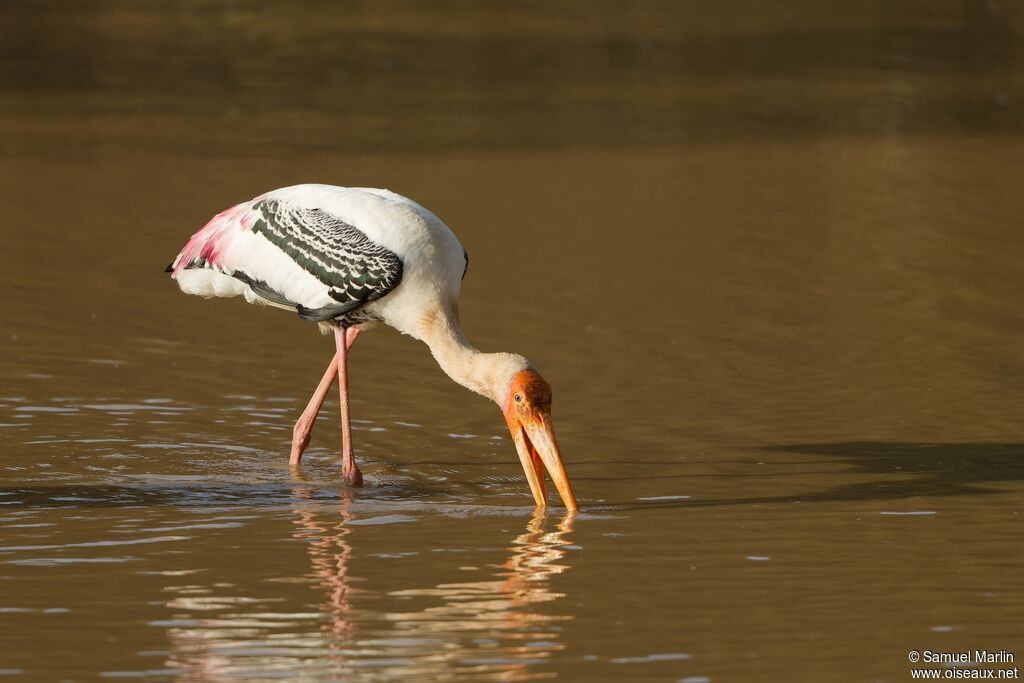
769	258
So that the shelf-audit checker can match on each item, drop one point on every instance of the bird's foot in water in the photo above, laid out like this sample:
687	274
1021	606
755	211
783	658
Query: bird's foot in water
300	439
352	475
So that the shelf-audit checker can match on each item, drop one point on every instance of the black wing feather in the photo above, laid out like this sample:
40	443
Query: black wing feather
355	269
264	290
325	313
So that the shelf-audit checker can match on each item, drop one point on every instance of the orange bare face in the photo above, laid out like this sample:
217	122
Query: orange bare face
527	411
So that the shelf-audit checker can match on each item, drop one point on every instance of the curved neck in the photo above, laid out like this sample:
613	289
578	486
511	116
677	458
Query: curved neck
483	373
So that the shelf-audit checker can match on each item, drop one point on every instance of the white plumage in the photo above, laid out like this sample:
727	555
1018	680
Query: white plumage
433	259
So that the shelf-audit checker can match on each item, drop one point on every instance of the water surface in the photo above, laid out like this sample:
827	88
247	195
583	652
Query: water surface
769	259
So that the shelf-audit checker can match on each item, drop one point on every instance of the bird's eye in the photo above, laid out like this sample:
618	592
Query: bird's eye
519	398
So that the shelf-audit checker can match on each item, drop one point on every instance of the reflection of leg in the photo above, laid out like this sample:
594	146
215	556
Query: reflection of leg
343	339
323	535
304	426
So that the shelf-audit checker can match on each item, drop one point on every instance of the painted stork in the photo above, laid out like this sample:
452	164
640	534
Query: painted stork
347	259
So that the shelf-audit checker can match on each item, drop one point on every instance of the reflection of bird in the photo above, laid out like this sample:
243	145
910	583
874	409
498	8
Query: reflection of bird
489	620
501	626
348	258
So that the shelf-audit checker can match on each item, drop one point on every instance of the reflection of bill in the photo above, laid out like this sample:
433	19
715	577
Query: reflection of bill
489	629
492	628
534	560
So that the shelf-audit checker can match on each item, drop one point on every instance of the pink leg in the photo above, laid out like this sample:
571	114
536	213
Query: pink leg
349	469
304	425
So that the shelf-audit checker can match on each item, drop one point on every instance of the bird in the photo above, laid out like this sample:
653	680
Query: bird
349	259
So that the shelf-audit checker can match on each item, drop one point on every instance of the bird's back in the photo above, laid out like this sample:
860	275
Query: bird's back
333	254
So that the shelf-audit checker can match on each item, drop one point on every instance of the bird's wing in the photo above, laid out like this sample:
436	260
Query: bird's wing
290	255
355	270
